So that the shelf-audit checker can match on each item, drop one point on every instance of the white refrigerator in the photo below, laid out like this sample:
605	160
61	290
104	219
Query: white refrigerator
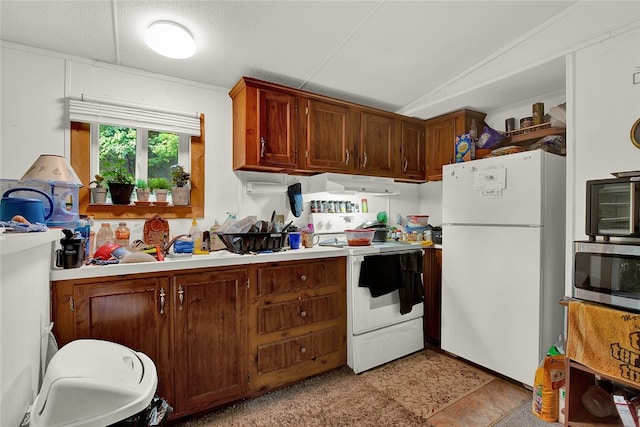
503	260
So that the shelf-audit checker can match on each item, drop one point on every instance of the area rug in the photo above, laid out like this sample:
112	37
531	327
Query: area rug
523	417
403	393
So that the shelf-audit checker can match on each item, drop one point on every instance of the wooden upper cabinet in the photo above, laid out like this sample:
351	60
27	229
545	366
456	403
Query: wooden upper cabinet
441	134
412	150
378	145
330	139
265	128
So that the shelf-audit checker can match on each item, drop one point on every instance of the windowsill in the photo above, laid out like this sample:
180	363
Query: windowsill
106	211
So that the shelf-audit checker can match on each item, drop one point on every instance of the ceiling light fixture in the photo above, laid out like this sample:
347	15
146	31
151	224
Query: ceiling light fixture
170	39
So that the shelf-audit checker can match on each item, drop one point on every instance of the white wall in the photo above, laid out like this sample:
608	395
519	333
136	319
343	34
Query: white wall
603	105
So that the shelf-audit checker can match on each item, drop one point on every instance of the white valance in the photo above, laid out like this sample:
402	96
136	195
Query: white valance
115	113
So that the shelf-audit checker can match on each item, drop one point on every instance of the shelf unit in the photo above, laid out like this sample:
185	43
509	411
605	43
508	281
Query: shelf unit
579	377
529	135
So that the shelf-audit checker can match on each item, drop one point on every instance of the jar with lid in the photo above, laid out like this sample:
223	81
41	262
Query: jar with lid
123	234
104	235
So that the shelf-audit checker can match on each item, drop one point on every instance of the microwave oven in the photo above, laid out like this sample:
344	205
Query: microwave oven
607	273
612	208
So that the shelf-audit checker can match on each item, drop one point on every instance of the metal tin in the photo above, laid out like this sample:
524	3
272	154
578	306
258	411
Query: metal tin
538	113
526	122
510	124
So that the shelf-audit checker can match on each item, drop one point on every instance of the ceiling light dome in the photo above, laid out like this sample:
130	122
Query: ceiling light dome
170	39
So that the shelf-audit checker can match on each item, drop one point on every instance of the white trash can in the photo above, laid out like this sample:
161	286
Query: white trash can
94	383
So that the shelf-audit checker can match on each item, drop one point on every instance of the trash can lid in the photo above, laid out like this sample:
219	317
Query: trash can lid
94	383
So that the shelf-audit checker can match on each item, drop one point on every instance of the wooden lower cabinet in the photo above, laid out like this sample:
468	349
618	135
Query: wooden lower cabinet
297	321
432	295
210	336
216	335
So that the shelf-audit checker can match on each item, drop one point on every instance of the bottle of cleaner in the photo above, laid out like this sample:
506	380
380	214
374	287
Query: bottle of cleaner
196	236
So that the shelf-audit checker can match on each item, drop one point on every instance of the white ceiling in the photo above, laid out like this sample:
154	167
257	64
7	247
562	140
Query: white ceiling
419	58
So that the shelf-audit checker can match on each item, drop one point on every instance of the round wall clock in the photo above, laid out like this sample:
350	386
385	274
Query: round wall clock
635	133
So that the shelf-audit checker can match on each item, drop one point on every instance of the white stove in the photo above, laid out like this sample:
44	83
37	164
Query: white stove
377	332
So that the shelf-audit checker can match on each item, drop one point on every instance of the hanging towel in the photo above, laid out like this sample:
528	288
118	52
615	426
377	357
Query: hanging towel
605	339
380	273
295	198
383	274
411	290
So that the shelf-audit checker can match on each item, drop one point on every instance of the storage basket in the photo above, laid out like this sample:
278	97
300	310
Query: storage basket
244	243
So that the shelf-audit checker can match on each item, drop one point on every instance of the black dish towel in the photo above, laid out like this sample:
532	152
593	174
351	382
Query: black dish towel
383	274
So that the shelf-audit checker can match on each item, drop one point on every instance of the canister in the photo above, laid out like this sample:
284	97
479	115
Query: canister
538	113
526	122
510	124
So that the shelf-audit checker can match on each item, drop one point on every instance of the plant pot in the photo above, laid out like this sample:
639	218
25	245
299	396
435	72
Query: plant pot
161	195
180	196
99	195
142	195
120	193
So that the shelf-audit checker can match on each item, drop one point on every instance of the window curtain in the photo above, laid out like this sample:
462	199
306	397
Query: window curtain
94	110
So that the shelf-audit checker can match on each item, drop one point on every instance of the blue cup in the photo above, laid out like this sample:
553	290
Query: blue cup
294	240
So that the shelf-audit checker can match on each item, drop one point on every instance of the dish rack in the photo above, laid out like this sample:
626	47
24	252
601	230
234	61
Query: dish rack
244	243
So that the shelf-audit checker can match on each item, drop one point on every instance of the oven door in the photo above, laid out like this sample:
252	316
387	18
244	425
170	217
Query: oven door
367	313
607	273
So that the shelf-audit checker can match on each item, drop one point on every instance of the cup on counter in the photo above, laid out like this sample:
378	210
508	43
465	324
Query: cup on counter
309	239
294	240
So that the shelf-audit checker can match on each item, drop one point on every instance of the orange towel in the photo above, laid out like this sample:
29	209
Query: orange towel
605	339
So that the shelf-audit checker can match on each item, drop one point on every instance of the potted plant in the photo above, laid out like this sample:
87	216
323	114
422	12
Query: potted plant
142	190
180	178
160	187
99	191
120	183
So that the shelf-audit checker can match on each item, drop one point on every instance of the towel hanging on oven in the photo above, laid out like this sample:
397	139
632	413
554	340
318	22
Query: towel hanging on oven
383	274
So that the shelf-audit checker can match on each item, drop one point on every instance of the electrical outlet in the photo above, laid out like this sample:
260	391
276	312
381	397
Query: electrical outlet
636	77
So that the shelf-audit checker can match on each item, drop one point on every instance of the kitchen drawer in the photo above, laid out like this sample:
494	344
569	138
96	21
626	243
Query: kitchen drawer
290	314
289	352
296	276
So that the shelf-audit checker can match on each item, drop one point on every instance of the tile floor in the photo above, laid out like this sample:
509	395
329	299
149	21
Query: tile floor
480	408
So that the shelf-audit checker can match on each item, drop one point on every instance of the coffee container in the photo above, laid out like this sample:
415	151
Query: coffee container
538	113
510	124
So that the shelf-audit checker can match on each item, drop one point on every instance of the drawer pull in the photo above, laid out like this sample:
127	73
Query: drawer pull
303	277
162	299
303	350
303	313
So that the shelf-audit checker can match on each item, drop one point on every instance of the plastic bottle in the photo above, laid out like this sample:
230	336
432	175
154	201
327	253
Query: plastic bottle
104	235
364	205
123	234
196	235
473	130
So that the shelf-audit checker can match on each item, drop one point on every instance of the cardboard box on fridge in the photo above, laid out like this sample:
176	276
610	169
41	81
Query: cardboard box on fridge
465	148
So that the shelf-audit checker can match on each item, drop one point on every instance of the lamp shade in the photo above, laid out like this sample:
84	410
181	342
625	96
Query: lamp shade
51	168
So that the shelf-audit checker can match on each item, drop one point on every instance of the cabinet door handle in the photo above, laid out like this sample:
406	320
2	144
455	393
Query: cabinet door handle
303	313
162	299
303	350
364	163
303	278
404	168
180	295
346	162
263	142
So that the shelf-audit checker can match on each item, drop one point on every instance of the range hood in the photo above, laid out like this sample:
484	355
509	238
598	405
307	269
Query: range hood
351	184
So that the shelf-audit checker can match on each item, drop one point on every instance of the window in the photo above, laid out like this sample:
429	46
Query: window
145	153
192	147
146	140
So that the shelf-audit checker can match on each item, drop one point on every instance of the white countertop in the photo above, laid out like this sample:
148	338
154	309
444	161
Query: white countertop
17	242
214	259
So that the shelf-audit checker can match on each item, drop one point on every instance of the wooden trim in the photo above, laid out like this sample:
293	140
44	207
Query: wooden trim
81	163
